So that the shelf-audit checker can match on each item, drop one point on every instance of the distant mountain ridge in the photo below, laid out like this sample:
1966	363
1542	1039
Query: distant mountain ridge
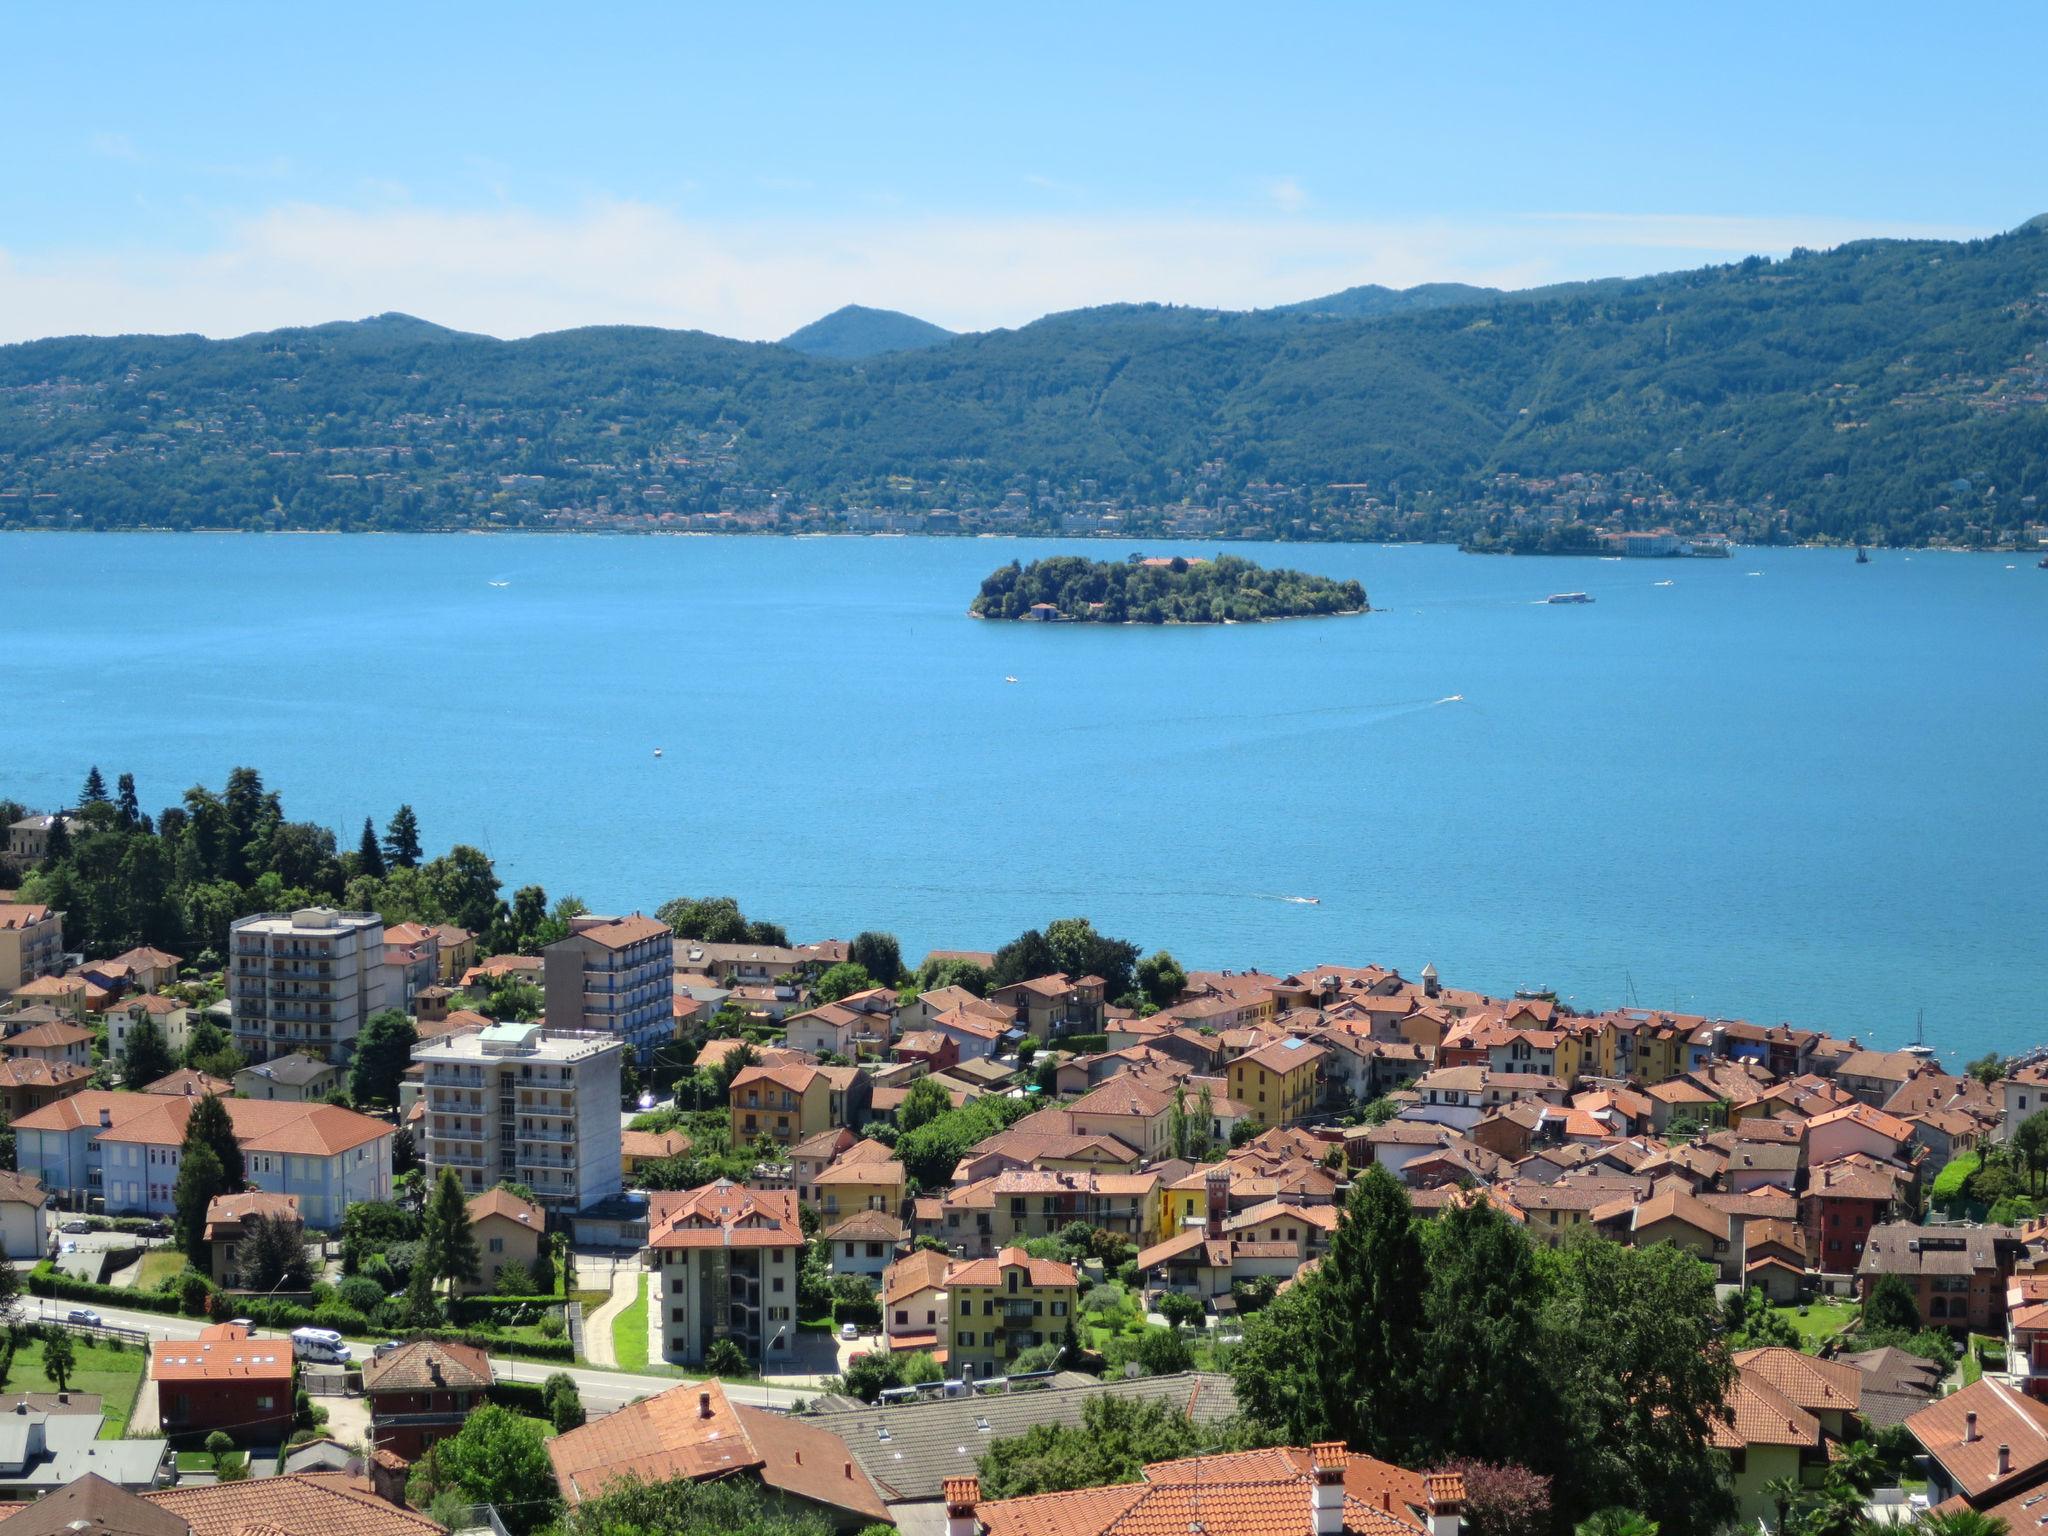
855	331
1891	390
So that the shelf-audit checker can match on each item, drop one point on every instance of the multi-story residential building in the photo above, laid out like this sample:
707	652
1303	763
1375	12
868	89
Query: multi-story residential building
305	981
1277	1083
1001	1306
31	944
28	840
122	1151
725	1267
914	1301
1048	1006
525	1102
614	974
867	1177
1958	1274
172	1019
412	961
421	1392
784	1104
992	1214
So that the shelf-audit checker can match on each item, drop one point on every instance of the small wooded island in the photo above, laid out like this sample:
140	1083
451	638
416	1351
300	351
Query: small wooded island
1227	590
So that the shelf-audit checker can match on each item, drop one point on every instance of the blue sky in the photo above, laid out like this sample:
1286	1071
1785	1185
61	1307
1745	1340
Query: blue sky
743	169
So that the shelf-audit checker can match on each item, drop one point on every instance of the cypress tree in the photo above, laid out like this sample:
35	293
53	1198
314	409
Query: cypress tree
126	803
209	1126
59	848
1373	1285
402	839
370	853
450	1248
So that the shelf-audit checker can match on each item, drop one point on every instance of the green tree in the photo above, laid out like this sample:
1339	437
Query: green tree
126	806
95	791
924	1101
497	1458
1483	1313
842	980
1643	1372
1163	1352
220	1445
1161	979
272	1255
370	852
146	1057
1752	1322
1959	1522
60	1358
1786	1494
200	1180
563	1402
725	1358
451	1252
383	1055
7	1141
402	839
879	955
1891	1305
1115	1440
1616	1522
1988	1068
209	1125
730	1506
2030	1145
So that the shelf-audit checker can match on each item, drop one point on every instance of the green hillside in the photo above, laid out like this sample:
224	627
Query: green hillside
856	331
1892	390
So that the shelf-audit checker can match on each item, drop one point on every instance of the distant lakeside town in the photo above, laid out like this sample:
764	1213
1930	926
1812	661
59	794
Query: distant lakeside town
310	1142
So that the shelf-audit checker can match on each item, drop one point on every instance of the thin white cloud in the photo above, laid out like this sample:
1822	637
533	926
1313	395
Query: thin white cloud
114	146
1288	195
513	272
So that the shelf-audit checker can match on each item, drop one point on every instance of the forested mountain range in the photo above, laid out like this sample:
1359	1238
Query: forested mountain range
856	331
1893	390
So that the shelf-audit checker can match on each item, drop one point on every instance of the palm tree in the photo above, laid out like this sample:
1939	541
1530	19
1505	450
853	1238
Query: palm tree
1857	1465
1960	1522
1785	1495
1627	1522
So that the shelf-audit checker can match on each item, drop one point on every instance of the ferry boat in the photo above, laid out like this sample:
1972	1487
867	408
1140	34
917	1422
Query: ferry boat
1568	597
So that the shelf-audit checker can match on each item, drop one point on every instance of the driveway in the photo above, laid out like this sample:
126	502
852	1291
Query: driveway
597	1324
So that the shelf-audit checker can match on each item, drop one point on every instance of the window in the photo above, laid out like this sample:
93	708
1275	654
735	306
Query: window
497	1245
967	1340
777	1285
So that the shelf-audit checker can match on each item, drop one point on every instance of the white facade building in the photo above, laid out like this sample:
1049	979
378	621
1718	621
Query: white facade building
524	1102
306	981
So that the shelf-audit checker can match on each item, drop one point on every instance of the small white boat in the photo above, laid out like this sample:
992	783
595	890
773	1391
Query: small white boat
1568	597
657	751
501	583
1009	679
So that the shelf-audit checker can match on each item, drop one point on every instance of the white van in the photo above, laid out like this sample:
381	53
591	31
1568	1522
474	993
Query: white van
319	1344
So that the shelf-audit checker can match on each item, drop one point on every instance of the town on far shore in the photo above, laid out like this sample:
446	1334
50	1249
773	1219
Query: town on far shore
339	1188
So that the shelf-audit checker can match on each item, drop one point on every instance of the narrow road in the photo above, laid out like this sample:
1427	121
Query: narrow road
603	1391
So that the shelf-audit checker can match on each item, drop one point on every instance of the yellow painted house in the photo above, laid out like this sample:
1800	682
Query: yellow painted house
999	1307
782	1105
867	1177
1277	1083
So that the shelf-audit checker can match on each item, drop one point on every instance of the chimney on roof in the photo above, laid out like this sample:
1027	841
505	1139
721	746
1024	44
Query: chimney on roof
106	1118
962	1494
1970	1427
704	1405
1329	1458
1445	1496
2004	1460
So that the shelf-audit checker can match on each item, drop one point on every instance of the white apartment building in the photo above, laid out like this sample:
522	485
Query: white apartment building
305	981
528	1103
614	974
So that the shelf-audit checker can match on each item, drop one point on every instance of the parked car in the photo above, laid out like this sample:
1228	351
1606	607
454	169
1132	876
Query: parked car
85	1315
243	1322
849	1331
384	1349
157	1229
70	1245
76	1224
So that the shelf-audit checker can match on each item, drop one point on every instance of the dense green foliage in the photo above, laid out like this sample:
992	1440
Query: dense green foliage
930	1152
179	879
1885	388
1604	1365
1179	592
1116	1438
855	331
733	1506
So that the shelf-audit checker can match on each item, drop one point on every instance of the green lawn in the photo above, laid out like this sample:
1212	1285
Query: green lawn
201	1461
115	1374
629	1331
1972	1370
1821	1320
157	1266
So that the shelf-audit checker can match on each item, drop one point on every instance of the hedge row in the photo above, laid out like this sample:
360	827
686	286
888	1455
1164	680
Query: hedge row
520	1396
271	1313
539	1349
47	1280
465	1309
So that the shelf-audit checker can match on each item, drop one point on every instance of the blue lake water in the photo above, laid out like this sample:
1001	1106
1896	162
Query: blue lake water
1781	786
